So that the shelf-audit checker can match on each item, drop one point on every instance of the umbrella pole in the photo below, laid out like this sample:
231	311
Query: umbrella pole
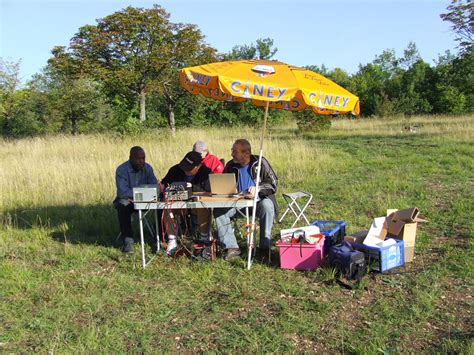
257	184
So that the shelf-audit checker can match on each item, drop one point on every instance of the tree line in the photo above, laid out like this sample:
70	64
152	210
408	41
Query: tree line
122	75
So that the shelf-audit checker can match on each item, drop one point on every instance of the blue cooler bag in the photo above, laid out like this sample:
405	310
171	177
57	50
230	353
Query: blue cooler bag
350	262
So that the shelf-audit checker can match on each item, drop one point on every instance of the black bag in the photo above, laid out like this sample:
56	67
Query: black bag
350	262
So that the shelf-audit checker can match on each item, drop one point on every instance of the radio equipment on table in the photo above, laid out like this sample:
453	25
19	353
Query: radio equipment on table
178	191
145	193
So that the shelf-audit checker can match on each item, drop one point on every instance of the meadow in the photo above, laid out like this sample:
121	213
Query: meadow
67	288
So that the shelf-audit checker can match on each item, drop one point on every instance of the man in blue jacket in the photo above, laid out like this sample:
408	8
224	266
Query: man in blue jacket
244	166
132	173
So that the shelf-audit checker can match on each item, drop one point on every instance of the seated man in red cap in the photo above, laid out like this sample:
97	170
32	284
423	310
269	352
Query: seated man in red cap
190	170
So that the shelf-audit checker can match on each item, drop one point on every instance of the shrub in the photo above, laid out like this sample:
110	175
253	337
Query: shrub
307	120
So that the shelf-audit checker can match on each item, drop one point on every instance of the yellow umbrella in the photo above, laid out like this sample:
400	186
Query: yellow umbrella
271	84
282	85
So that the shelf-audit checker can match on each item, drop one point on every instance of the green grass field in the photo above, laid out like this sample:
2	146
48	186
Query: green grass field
66	287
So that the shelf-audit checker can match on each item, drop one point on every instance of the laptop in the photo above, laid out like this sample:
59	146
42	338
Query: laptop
223	185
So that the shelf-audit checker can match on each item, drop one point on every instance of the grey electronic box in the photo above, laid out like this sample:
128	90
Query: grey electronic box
145	193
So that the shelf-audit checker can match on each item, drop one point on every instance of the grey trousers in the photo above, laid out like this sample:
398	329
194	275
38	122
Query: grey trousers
225	229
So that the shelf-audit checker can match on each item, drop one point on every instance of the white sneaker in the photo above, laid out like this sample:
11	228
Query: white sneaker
172	245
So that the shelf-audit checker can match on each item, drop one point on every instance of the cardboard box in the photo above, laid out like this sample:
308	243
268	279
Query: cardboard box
377	232
409	254
407	215
402	224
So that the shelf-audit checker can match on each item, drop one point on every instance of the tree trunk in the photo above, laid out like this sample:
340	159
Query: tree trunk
73	126
171	120
142	106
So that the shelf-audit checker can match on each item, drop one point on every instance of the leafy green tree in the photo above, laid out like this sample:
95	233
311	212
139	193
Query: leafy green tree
463	76
74	93
79	101
25	111
308	121
369	85
450	100
414	97
9	84
410	56
323	70
262	49
340	77
388	63
131	50
461	15
265	49
190	50
455	83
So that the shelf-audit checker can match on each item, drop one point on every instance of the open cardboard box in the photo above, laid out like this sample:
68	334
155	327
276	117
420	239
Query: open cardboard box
372	237
402	224
377	232
399	224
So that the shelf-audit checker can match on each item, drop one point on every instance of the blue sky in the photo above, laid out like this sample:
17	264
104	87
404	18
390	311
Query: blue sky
335	33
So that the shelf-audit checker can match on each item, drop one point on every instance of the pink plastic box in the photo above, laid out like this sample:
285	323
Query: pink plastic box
301	256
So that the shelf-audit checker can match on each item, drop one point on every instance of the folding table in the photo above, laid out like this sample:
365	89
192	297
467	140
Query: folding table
204	202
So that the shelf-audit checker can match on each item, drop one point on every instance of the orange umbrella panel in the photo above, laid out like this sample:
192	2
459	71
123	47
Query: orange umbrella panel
283	86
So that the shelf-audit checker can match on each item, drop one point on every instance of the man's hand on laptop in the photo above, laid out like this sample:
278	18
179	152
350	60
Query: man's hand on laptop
252	190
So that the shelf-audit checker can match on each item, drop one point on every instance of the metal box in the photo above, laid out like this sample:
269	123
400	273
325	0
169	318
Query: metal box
145	193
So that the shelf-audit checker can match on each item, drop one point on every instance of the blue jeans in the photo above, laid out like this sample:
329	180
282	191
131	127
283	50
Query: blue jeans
225	230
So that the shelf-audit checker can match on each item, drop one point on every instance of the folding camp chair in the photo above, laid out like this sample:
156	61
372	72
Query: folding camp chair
291	199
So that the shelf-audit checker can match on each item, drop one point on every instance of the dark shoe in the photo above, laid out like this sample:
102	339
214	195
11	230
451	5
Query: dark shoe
127	246
263	255
202	252
232	253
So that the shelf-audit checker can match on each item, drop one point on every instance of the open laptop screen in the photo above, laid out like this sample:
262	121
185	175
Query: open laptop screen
223	184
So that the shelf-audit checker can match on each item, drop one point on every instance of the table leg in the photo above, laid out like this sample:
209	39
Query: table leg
157	230
249	231
211	237
142	239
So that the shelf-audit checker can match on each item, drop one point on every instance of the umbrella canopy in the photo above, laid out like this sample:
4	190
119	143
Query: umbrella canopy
283	86
271	84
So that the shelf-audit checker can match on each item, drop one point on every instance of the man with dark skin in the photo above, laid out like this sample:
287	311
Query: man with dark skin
130	174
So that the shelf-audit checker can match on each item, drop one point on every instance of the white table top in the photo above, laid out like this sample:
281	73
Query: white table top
204	202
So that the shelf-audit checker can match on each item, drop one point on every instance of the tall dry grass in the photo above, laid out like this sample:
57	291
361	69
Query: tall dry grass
80	170
65	170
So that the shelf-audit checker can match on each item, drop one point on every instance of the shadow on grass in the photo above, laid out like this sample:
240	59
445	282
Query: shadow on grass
93	224
464	336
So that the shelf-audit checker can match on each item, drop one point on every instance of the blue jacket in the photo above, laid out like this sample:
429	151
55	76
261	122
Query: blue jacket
126	178
268	179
